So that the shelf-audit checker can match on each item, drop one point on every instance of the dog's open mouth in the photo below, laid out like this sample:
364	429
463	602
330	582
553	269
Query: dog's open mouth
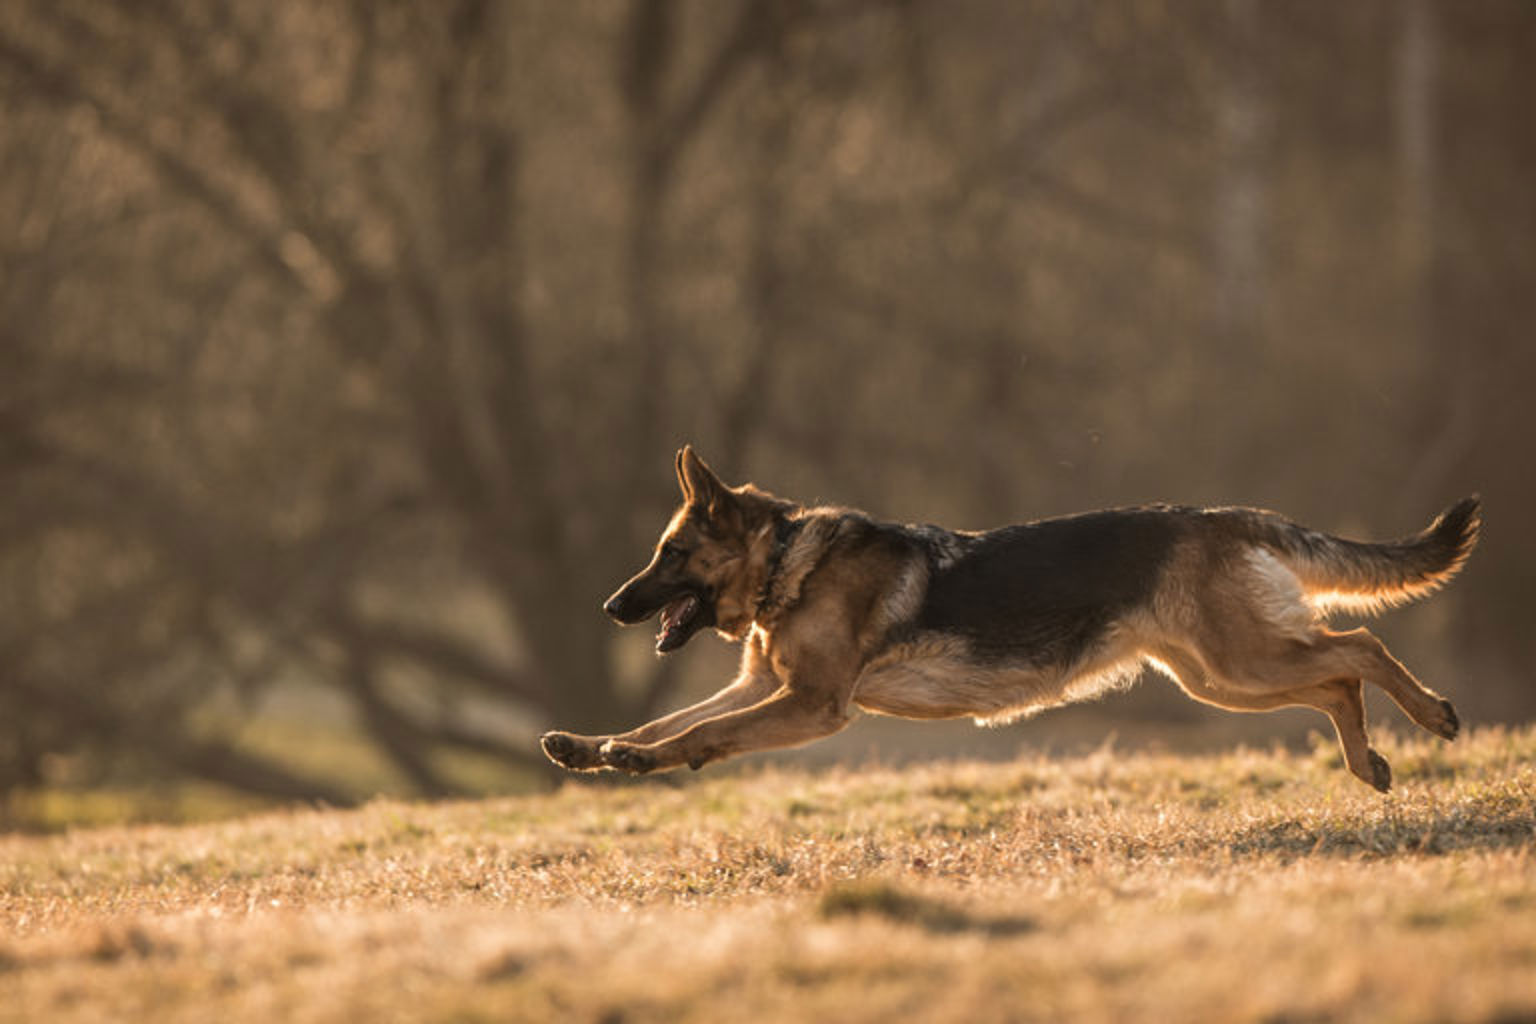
677	623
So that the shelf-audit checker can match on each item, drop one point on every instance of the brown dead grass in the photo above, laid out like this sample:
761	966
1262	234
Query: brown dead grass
1258	886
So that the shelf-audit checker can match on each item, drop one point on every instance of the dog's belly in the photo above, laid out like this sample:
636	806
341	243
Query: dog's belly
938	678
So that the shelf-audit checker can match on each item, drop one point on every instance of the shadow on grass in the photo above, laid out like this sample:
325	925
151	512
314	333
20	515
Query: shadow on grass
884	900
1393	834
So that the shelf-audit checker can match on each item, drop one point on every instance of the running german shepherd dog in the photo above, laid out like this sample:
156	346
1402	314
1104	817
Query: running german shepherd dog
839	611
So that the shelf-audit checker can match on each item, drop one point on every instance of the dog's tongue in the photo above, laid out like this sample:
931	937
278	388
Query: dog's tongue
676	615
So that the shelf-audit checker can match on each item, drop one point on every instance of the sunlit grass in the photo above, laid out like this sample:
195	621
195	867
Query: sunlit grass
55	808
1250	885
321	748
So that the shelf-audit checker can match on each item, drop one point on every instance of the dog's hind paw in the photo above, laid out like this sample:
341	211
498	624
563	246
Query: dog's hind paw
1449	725
574	752
1381	773
627	757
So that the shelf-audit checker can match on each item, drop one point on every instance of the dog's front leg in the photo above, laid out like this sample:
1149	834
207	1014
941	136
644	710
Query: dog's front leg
752	684
813	702
744	692
787	719
569	750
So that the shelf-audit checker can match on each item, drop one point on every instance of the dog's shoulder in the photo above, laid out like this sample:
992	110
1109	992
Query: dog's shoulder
843	581
835	548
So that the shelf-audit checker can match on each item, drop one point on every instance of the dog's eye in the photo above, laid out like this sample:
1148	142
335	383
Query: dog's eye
673	552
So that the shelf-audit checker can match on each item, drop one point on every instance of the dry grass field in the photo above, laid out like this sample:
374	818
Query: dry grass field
1249	886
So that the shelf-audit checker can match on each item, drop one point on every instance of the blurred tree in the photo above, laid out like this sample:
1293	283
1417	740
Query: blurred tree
364	161
345	344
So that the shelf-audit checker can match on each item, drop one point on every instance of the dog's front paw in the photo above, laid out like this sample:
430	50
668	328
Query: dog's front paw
627	757
574	752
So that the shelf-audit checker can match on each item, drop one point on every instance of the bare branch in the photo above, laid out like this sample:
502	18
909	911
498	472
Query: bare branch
441	653
284	257
397	735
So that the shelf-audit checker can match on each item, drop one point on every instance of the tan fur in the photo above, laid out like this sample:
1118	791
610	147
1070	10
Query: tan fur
826	630
1252	641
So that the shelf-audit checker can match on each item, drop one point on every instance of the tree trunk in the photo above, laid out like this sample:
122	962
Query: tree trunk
1240	195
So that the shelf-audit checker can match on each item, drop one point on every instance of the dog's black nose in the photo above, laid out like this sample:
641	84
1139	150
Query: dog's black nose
612	606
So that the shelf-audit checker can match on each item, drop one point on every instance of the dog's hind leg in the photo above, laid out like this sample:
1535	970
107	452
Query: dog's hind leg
1325	655
1368	658
1339	698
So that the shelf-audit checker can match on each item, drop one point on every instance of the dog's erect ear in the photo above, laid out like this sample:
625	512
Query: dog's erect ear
682	474
699	484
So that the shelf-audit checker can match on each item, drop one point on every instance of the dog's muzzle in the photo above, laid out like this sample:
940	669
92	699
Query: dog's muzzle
682	614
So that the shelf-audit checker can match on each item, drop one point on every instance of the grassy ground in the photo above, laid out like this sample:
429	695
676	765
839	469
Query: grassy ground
1257	886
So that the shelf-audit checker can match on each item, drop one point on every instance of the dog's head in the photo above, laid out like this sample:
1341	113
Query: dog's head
708	565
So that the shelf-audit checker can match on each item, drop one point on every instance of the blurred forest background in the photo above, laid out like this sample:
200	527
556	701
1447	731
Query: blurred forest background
344	346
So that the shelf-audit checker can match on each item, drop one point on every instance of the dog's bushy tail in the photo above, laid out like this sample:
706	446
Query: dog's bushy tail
1364	578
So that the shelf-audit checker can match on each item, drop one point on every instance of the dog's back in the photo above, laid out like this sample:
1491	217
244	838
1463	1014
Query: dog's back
1045	591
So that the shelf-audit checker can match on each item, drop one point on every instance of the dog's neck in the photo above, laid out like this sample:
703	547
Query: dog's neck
784	531
800	540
